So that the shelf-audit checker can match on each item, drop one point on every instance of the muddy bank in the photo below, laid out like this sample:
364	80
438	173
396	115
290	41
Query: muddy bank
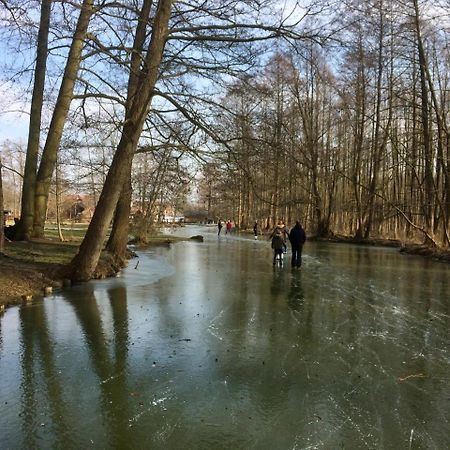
350	240
22	280
428	252
409	248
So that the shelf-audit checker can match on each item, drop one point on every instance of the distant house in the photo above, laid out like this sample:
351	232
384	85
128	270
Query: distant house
158	213
172	219
197	216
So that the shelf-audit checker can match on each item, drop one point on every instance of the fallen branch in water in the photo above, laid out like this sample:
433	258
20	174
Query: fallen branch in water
417	375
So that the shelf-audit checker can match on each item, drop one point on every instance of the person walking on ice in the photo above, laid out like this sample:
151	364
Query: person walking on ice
228	227
297	237
282	229
278	247
255	229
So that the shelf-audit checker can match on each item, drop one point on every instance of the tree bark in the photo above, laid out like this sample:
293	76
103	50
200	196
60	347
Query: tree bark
117	243
49	154
2	212
426	133
376	146
57	201
25	226
360	122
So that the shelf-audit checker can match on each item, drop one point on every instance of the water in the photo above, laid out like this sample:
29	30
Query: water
208	346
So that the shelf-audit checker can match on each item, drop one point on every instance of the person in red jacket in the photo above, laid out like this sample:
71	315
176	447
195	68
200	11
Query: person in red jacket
228	230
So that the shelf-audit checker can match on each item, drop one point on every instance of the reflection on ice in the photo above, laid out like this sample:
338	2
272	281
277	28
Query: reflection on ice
206	345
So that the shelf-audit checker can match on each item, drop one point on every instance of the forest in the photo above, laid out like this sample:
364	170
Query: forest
332	113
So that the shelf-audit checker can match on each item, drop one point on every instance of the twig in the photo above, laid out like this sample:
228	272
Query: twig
417	375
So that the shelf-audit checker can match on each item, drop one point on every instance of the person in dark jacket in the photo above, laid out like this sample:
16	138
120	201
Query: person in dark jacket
297	237
255	229
278	246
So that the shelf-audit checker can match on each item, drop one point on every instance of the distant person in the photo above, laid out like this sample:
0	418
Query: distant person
219	227
228	227
297	237
255	229
278	247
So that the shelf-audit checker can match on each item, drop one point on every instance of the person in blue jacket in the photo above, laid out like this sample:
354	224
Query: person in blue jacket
297	238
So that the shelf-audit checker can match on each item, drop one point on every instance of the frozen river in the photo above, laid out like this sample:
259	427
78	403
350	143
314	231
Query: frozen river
208	346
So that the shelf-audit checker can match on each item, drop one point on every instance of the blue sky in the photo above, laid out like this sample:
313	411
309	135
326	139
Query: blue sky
13	128
14	110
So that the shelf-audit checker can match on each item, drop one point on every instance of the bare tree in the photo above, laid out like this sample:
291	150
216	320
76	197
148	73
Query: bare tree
2	209
85	262
49	154
118	239
25	226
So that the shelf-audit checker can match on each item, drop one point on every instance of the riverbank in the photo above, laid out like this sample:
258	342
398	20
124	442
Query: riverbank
407	248
29	269
423	250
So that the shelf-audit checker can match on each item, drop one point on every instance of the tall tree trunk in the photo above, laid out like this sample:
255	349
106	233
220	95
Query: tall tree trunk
117	243
376	146
85	261
25	226
2	212
57	201
275	199
429	181
360	121
48	161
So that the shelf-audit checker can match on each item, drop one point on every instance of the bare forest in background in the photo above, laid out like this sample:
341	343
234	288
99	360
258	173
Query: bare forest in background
351	139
